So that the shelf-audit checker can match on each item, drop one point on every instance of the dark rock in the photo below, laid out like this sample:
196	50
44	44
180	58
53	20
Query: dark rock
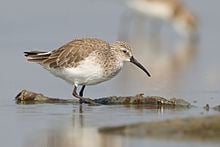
26	97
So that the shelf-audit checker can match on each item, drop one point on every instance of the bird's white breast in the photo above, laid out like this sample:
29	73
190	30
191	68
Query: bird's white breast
88	72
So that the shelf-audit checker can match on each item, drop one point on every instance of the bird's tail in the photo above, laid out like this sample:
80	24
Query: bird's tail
36	56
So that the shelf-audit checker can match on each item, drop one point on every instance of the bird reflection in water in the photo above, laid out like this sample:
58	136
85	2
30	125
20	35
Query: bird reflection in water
77	131
71	134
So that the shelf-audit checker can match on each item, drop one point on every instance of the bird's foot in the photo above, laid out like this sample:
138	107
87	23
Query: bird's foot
88	101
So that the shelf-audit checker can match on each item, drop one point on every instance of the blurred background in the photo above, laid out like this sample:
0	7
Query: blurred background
180	67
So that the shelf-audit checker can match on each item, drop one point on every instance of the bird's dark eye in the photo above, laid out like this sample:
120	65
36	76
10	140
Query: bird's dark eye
124	51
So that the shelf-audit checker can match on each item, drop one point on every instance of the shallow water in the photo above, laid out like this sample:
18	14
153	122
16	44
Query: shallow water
63	125
30	25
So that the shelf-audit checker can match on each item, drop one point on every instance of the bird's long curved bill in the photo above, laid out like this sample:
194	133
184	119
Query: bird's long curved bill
134	61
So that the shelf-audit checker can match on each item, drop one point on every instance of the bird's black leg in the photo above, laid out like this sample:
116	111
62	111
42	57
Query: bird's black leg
82	90
82	99
76	94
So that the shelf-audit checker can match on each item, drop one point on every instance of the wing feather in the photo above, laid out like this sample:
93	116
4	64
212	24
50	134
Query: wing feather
70	54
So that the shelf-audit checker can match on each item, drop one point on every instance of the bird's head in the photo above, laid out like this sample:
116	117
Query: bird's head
124	53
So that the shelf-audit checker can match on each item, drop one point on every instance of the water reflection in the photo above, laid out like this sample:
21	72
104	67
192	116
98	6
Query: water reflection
74	134
67	137
79	129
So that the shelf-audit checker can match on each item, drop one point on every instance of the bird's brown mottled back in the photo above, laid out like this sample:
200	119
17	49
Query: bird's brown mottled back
73	52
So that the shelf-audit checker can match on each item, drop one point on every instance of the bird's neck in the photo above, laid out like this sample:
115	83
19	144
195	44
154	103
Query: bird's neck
112	64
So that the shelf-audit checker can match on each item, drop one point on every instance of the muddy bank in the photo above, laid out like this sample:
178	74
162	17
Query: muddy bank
28	97
203	128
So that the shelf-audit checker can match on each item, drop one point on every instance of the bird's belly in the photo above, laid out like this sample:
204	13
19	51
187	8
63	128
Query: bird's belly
87	73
